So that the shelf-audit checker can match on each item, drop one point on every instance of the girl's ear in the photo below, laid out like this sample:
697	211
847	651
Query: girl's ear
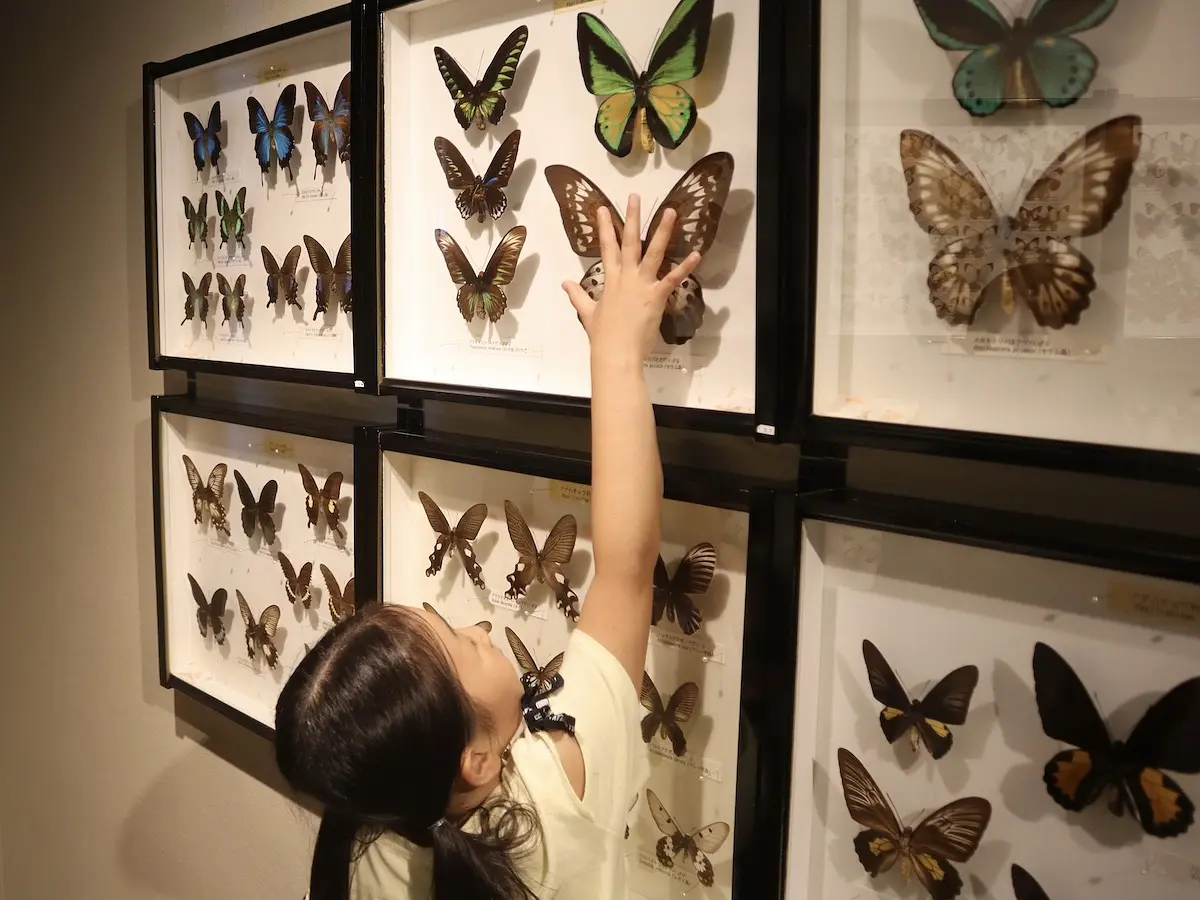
480	764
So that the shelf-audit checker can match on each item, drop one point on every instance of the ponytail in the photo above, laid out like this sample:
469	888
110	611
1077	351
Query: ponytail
482	866
333	856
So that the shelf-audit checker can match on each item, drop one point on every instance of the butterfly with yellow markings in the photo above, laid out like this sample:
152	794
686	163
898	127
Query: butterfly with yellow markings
208	495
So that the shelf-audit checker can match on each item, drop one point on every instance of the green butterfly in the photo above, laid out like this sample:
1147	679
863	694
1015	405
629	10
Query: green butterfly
1031	61
197	219
482	102
653	102
233	218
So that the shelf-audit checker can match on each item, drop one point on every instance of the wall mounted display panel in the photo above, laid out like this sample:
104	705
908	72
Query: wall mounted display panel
1007	242
711	767
275	511
248	205
1028	671
481	225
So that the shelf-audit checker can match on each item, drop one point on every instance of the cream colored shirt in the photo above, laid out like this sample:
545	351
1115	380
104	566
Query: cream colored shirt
582	852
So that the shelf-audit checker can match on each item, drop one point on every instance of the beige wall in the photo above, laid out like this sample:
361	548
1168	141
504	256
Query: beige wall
110	787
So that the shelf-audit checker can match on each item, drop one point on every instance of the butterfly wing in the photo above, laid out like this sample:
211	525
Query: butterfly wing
461	272
268	622
1024	885
954	831
341	119
963	24
651	701
330	495
498	174
1063	68
202	608
337	599
206	146
708	839
266	509
281	126
556	553
698	198
527	552
946	704
1166	737
445	536
342	284
488	293
312	503
459	176
466	531
896	716
260	127
322	131
273	273
579	201
878	847
678	55
520	652
248	620
323	267
679	711
608	72
673	843
249	504
499	77
462	92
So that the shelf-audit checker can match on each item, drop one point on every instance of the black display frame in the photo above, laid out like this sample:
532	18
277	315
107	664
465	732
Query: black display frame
769	651
364	334
366	513
774	137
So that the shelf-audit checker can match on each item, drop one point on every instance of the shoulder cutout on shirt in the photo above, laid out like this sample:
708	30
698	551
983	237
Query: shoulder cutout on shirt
571	758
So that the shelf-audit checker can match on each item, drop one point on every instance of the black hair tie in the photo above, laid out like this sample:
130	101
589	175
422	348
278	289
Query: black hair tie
535	705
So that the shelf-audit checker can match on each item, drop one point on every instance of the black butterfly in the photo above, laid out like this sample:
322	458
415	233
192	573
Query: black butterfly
197	297
298	587
208	496
1024	886
482	293
1166	737
281	280
695	845
210	615
257	511
233	297
260	634
667	719
693	575
545	674
545	565
206	146
341	600
483	102
322	500
479	195
924	720
457	538
197	219
333	278
951	834
429	607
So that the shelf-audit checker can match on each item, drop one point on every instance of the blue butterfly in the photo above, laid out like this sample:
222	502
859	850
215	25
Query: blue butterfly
330	128
206	146
1030	61
274	132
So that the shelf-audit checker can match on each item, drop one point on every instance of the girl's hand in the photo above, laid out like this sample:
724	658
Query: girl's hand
624	327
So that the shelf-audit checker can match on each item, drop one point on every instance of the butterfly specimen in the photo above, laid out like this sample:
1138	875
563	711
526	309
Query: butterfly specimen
923	720
206	146
479	195
341	600
274	133
233	218
950	834
1031	61
457	538
298	587
429	607
333	279
210	614
672	593
653	103
322	500
698	199
257	512
985	255
545	674
545	565
233	297
330	127
667	719
483	102
1024	886
696	846
208	495
197	297
197	219
482	293
281	280
1166	738
260	635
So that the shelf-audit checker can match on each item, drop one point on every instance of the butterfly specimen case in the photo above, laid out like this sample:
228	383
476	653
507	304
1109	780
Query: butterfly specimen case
243	545
1052	668
462	520
1006	194
247	149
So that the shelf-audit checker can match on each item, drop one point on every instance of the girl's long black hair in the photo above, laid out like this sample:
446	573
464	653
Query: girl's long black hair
373	723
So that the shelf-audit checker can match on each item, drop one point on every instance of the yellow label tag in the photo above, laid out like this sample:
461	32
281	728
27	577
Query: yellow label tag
1150	602
567	5
272	73
277	447
571	492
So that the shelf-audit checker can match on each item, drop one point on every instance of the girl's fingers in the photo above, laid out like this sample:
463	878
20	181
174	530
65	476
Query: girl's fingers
580	299
631	242
609	251
657	250
676	276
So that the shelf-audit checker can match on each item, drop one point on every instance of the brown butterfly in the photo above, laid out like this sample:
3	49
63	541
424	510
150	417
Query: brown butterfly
1028	256
695	846
281	280
297	586
482	293
1025	887
260	634
210	614
528	664
341	600
322	500
257	512
485	624
672	593
951	834
545	565
457	538
208	495
666	720
479	195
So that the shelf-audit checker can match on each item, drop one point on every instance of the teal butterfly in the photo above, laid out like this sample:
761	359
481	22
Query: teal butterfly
483	101
1031	61
653	103
233	218
197	219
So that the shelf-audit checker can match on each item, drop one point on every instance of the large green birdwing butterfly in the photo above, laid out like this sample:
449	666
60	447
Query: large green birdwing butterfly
197	297
482	293
987	255
197	219
233	218
1031	61
483	101
652	102
233	297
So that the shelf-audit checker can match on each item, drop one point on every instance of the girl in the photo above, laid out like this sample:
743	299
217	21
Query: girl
436	782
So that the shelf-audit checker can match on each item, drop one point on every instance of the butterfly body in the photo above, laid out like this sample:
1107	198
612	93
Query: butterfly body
206	146
233	297
694	846
197	297
260	634
322	500
545	565
673	593
334	279
457	538
281	280
210	614
544	674
297	586
208	496
233	221
330	126
481	293
197	219
482	103
667	719
273	134
479	195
